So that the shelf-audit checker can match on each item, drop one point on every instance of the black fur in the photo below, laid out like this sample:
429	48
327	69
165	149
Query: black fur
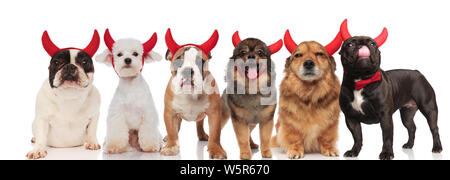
61	62
407	90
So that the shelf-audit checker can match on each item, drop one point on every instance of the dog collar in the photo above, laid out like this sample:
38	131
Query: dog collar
363	83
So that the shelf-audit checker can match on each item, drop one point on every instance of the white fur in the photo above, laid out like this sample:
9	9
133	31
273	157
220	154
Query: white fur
66	116
358	100
189	62
190	105
132	107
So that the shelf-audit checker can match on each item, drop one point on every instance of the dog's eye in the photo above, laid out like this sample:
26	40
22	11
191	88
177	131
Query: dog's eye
56	62
319	54
120	55
243	52
372	44
350	45
84	62
135	54
298	55
260	53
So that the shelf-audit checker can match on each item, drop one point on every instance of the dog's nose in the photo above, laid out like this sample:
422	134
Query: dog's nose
127	61
70	69
187	73
251	56
308	64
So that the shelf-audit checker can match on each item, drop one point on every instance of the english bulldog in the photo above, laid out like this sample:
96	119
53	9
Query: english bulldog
370	95
192	94
68	104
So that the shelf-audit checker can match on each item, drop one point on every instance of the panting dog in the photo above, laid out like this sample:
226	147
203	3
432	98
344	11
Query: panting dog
68	104
192	94
251	96
309	108
370	95
132	117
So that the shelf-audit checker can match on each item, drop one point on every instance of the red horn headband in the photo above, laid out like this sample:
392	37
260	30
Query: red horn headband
380	39
275	47
148	46
205	47
51	48
331	48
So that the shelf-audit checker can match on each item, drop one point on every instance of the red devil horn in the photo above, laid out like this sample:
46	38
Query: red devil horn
109	41
150	44
275	47
211	43
382	37
334	45
236	39
289	42
93	45
171	44
344	31
48	44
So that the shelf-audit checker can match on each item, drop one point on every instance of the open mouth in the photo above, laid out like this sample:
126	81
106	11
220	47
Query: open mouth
251	72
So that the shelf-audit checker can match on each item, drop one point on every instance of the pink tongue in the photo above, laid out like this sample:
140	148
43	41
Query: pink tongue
252	73
364	52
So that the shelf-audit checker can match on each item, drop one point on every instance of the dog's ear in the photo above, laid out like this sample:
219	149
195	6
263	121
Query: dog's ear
169	55
151	57
207	56
105	57
288	62
332	63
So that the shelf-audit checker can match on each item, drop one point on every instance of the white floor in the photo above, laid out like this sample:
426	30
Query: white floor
192	149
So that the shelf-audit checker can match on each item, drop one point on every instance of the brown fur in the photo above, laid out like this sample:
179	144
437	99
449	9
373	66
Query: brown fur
309	110
246	110
173	119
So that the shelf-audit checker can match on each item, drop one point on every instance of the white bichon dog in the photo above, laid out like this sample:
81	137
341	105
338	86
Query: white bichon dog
132	118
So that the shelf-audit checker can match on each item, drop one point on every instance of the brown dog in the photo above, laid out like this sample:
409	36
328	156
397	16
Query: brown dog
192	94
309	107
250	97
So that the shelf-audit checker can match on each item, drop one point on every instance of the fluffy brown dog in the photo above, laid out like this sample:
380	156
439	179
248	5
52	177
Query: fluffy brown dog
250	97
309	108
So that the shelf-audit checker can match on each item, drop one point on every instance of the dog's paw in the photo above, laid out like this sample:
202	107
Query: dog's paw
170	151
203	137
408	145
217	153
254	145
295	154
113	149
37	153
437	149
386	156
330	152
92	146
166	138
351	154
151	147
266	154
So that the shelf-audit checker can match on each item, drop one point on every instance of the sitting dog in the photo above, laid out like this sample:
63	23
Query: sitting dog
250	96
370	95
68	104
309	109
192	94
132	118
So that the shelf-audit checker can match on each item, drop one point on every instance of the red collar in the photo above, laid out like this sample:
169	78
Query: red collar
363	83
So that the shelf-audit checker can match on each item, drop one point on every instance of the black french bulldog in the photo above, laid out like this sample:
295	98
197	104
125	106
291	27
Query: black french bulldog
370	95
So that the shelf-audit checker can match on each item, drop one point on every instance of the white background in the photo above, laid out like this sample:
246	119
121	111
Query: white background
418	39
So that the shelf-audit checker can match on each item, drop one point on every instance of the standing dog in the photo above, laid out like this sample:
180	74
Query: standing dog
250	96
370	95
192	94
132	117
309	108
68	104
